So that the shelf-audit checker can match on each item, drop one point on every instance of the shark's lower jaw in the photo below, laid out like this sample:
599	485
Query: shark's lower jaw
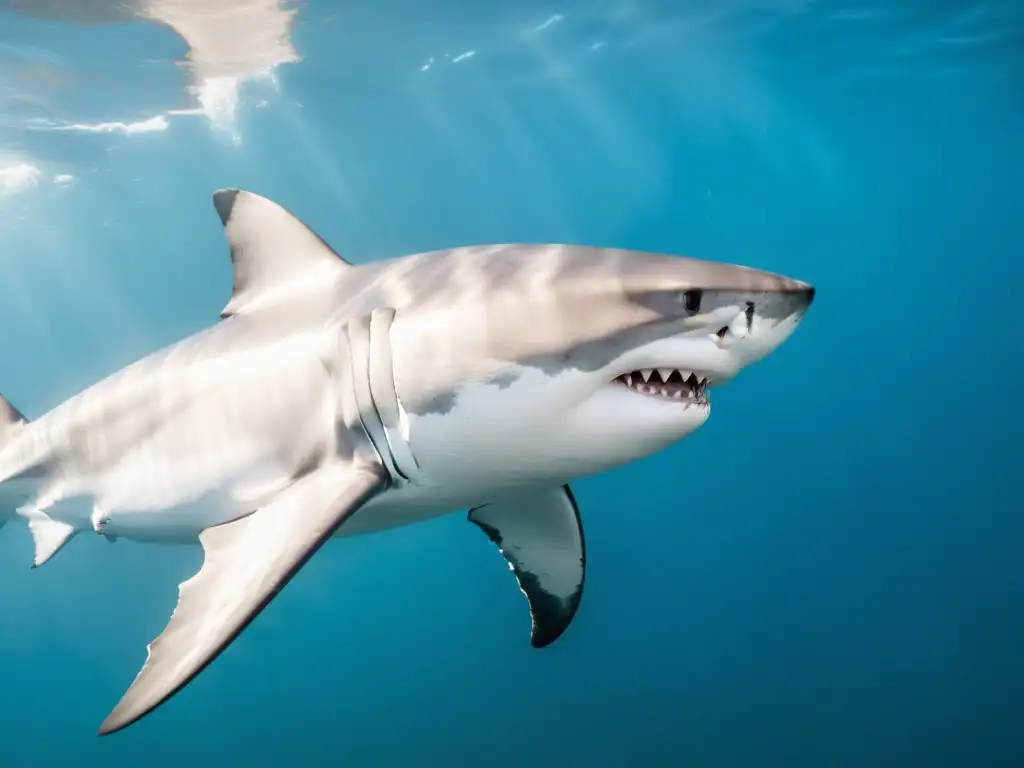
667	384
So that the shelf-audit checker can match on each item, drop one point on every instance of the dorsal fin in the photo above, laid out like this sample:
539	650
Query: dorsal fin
275	256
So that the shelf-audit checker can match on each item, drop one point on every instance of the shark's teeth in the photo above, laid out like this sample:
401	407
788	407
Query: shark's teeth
668	383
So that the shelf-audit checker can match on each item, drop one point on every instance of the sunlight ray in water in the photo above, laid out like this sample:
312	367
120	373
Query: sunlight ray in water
73	266
499	123
626	151
515	122
19	297
428	101
307	140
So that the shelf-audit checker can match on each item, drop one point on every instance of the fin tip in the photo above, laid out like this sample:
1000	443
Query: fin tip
49	537
224	202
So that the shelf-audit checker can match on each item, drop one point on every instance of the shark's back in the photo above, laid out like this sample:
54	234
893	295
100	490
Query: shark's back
131	405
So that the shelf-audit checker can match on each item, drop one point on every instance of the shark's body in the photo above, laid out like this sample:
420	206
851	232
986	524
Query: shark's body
337	400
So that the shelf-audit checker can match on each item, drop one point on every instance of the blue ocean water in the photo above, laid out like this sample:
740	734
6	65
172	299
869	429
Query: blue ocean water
828	573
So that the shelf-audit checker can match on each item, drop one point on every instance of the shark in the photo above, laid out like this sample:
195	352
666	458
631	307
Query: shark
331	399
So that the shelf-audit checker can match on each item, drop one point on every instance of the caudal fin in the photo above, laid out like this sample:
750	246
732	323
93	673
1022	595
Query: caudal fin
11	420
49	535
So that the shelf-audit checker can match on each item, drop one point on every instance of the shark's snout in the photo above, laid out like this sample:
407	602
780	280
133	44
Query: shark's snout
716	331
766	321
800	299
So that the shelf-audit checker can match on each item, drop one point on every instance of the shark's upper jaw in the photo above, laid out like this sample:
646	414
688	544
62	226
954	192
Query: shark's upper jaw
680	368
736	330
671	384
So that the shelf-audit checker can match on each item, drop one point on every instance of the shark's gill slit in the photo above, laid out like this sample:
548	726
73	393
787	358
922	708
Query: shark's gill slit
384	392
669	383
358	333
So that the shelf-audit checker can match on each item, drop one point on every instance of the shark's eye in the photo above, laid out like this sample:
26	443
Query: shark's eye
691	300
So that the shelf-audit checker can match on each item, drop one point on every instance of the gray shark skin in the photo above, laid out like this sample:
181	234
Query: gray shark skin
335	400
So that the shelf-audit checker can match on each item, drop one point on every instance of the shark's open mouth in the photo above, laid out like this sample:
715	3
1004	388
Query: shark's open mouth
668	383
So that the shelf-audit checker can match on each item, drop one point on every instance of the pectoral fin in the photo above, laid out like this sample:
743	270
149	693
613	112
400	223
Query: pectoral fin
247	562
541	536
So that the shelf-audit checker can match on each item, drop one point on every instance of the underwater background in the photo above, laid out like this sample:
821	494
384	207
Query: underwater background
829	573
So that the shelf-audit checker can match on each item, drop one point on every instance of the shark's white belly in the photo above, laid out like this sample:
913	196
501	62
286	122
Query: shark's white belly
216	463
183	522
160	514
154	494
412	504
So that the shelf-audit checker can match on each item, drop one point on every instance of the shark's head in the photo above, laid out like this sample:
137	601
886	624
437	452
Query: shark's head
682	328
550	362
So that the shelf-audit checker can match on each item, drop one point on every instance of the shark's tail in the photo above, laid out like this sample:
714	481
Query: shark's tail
11	420
49	535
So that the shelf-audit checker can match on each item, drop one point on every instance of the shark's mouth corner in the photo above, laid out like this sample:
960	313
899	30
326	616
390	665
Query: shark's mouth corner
667	384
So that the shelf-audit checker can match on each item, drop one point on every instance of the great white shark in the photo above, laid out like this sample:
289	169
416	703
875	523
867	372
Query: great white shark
333	399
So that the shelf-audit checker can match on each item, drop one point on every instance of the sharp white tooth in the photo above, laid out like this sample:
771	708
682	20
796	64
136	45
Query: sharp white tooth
678	394
646	373
629	379
665	373
662	392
